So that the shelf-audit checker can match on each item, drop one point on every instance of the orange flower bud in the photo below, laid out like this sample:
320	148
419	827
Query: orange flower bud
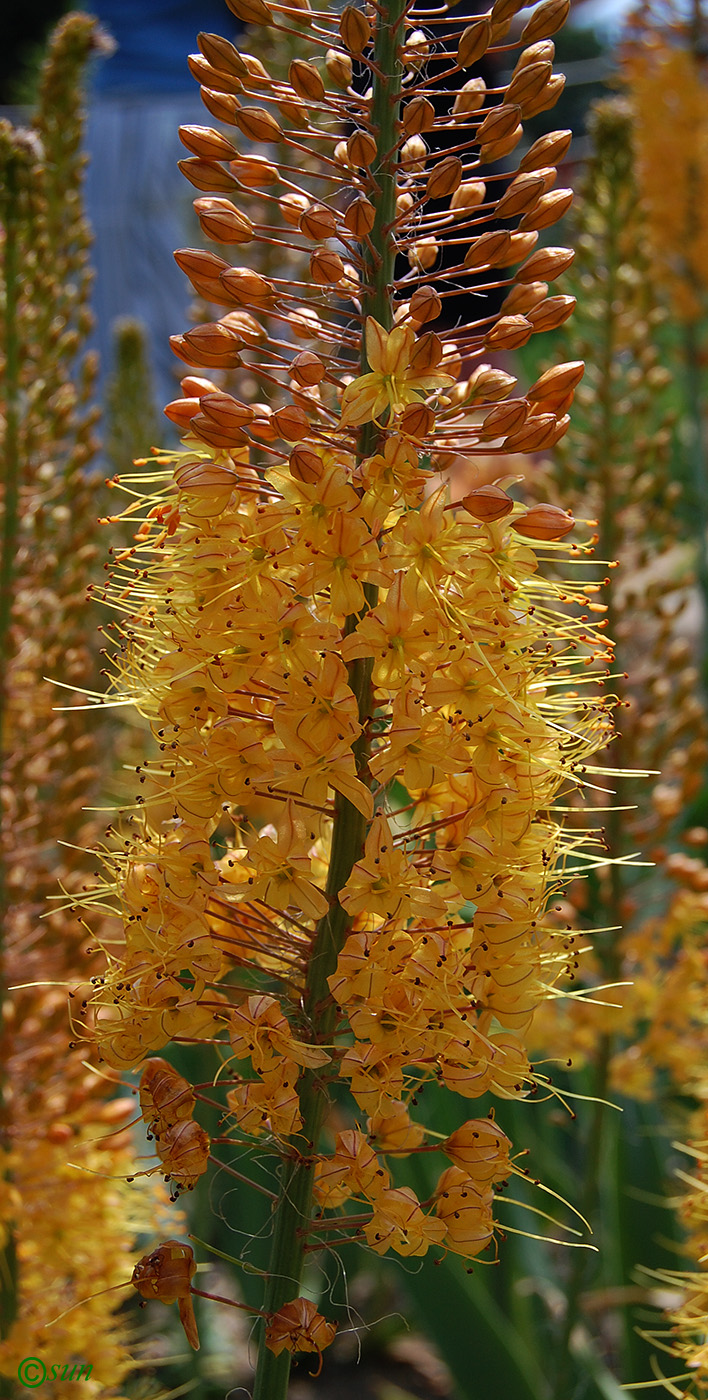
211	344
213	79
222	55
425	305
548	96
307	369
557	381
292	207
413	154
305	465
470	97
488	384
489	249
503	10
522	194
523	297
208	484
544	522
226	411
222	221
469	195
551	313
418	115
194	385
546	20
209	431
527	84
423	254
474	42
488	502
251	11
181	412
427	353
542	52
444	178
219	105
355	30
292	423
546	264
204	141
417	421
503	419
494	150
247	288
536	434
361	149
207	174
258	124
339	67
318	223
255	171
509	333
360	216
306	81
326	267
550	149
499	123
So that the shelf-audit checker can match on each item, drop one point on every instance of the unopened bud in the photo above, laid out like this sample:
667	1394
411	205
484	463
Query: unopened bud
504	419
499	123
293	206
546	20
551	313
360	216
469	195
509	333
535	435
488	503
488	384
559	380
206	142
212	78
339	67
415	50
528	84
444	178
258	124
425	305
417	421
404	204
306	81
181	412
305	465
225	410
262	423
546	265
196	386
547	97
470	97
255	171
207	175
413	154
492	151
326	267
427	353
355	30
522	298
550	149
318	223
292	423
222	55
216	435
251	11
542	52
502	10
521	196
489	249
418	115
361	149
222	221
474	42
550	208
220	105
247	287
212	344
243	324
307	369
208	482
423	254
544	522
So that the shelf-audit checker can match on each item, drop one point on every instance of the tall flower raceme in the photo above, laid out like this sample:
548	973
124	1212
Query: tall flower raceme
365	696
64	1148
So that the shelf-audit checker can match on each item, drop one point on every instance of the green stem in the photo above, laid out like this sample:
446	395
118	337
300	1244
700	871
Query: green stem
294	1207
11	219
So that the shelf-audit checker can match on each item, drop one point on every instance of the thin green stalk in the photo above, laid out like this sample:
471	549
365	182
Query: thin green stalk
11	219
349	828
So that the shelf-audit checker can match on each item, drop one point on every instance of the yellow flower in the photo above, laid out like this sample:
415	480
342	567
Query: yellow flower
394	381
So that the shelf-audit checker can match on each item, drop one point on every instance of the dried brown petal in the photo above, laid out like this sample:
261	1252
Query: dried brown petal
423	254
